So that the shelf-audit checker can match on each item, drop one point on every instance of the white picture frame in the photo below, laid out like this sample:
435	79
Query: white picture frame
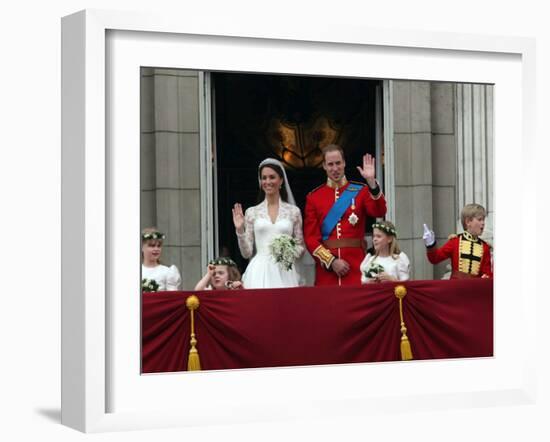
91	371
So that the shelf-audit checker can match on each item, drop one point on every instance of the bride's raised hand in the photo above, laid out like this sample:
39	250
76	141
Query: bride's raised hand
238	217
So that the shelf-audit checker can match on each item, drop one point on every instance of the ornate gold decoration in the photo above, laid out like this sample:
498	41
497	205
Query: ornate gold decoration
324	255
193	363
471	253
337	185
353	218
299	144
406	353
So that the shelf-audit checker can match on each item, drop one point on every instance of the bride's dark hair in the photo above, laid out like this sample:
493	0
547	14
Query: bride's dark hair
282	190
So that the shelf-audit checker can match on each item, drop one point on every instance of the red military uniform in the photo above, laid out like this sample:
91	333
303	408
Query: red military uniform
470	257
346	241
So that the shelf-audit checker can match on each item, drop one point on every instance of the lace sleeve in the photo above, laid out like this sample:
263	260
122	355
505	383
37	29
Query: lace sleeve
297	232
246	239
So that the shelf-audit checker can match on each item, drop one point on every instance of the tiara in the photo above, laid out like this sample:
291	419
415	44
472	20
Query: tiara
153	235
389	230
222	262
271	161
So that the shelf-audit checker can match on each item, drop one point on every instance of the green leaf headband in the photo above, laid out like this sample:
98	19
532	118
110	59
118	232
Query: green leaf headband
389	230
153	235
222	262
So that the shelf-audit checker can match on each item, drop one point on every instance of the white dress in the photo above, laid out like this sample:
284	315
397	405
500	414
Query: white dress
262	270
168	278
398	267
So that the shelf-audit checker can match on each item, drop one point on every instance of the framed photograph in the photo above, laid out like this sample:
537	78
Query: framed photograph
106	58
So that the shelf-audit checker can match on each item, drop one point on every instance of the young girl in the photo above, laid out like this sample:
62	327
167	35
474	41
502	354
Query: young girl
388	262
222	274
155	276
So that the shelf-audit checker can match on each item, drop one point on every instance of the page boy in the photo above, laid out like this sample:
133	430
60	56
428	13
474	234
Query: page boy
470	255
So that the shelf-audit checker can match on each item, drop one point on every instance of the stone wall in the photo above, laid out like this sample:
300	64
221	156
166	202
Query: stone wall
170	170
412	127
443	159
444	165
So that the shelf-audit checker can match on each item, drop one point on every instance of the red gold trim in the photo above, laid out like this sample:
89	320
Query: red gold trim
379	193
324	255
334	185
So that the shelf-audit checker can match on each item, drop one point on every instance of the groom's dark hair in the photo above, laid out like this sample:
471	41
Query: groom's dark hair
332	148
282	191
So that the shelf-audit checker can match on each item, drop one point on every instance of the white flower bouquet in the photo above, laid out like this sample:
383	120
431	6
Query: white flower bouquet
149	285
284	251
373	270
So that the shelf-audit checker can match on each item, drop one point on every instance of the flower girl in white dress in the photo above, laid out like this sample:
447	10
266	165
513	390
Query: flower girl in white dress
275	218
387	263
155	276
222	274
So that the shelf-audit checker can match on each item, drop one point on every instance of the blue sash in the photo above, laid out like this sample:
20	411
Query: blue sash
338	208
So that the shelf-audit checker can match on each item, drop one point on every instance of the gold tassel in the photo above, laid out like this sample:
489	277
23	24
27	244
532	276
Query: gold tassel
406	352
194	362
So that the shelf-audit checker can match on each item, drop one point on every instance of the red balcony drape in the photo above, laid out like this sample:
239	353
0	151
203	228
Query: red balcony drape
318	325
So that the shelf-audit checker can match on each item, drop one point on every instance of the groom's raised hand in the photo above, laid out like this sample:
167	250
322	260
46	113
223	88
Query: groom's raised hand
368	171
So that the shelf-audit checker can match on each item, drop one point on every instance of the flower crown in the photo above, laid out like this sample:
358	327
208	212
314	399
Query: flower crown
384	227
222	262
153	235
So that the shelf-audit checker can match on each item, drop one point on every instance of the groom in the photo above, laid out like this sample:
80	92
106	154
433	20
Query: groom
335	216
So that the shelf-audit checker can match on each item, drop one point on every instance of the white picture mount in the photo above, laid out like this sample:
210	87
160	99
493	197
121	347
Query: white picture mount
97	388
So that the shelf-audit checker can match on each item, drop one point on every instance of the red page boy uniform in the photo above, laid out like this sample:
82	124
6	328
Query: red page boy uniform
334	227
470	256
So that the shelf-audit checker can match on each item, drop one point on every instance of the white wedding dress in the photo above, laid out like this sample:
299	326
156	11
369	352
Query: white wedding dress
262	270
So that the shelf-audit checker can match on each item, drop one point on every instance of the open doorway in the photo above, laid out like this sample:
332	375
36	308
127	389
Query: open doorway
290	118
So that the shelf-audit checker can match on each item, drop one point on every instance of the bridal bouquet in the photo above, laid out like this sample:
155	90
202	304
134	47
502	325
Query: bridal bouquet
373	270
149	285
284	251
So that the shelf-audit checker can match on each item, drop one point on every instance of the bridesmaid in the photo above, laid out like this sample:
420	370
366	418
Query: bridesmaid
222	274
166	278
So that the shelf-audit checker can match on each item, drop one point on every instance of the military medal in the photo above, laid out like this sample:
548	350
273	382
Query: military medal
353	218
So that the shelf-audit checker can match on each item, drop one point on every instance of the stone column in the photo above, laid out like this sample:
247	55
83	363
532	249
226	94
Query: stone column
413	170
474	109
444	166
170	178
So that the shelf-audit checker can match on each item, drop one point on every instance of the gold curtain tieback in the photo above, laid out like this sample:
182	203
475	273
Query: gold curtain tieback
193	363
406	353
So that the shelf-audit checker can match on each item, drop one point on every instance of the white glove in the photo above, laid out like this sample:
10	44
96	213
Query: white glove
428	236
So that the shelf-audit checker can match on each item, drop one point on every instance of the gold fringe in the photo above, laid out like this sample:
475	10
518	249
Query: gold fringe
406	352
194	362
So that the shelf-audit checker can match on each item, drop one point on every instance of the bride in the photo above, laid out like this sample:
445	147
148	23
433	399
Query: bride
277	214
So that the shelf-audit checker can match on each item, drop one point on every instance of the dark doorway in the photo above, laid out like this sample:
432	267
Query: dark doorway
290	118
